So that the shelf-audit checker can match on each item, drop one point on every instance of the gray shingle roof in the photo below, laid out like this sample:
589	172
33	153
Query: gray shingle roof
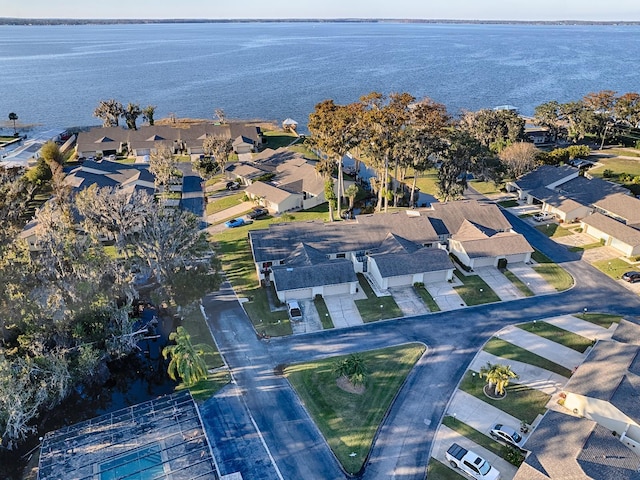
543	176
621	205
486	216
504	243
421	261
555	445
332	272
602	371
627	332
588	191
603	457
555	199
626	396
271	193
614	228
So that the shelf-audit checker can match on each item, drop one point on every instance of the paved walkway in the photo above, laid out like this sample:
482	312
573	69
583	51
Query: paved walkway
445	296
446	437
553	351
499	283
310	318
582	327
529	375
532	279
409	301
343	310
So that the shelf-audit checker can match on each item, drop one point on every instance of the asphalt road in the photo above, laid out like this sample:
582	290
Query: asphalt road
402	447
192	195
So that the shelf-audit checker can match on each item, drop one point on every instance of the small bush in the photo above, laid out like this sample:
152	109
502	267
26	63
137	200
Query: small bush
418	285
607	173
513	456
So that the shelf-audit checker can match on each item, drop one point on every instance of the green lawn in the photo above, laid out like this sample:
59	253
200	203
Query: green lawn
588	246
215	206
475	291
500	348
349	421
375	308
323	311
552	273
439	471
553	230
483	440
617	166
427	298
558	335
487	188
274	324
197	327
278	138
521	402
520	285
508	203
602	319
614	267
426	181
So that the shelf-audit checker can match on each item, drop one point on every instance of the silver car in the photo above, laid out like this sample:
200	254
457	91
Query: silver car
507	435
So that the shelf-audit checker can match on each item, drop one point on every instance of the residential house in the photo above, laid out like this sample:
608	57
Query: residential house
622	207
102	141
613	233
538	135
243	144
600	438
563	192
300	257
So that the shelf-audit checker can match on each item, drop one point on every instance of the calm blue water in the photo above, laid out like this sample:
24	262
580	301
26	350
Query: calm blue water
56	75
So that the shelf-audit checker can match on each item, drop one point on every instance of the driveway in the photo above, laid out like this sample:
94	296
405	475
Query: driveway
343	310
310	318
499	283
408	301
445	296
532	279
235	211
582	327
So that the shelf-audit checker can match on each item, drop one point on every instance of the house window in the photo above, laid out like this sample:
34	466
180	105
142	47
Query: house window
341	255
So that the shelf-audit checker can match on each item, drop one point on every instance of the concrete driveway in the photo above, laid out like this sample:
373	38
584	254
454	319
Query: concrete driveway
445	296
343	310
408	301
499	283
532	279
310	318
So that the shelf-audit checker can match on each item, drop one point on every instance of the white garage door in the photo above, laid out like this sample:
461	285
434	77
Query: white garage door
299	294
339	289
483	262
400	281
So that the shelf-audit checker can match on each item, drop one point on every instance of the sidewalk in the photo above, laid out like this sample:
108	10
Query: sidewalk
553	351
582	327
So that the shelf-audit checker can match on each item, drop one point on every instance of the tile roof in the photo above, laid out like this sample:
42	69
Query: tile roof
621	205
421	261
614	228
544	175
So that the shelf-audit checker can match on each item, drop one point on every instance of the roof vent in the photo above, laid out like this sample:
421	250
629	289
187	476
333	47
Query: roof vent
289	269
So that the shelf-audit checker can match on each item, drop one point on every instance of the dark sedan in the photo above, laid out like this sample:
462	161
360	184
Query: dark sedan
631	277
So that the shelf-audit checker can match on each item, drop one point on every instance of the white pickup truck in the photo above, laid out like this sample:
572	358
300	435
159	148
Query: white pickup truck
470	463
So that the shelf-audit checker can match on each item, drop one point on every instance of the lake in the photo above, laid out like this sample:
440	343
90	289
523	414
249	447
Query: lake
55	75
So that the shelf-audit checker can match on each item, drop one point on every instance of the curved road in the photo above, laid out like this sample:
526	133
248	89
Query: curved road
402	447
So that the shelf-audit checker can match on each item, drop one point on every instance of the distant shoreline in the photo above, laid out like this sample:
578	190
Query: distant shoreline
127	21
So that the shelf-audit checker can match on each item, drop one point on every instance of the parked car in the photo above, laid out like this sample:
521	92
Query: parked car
233	186
258	212
236	222
295	312
470	463
507	435
631	277
542	216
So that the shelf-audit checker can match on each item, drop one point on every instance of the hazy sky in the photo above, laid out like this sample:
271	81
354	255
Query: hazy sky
428	9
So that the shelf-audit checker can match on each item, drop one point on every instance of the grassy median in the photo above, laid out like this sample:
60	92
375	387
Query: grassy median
349	421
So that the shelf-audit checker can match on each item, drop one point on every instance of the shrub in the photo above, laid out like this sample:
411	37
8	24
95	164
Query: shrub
607	173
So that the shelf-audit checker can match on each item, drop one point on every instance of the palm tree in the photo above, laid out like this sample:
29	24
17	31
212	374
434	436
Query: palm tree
353	367
351	192
187	360
13	117
498	377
